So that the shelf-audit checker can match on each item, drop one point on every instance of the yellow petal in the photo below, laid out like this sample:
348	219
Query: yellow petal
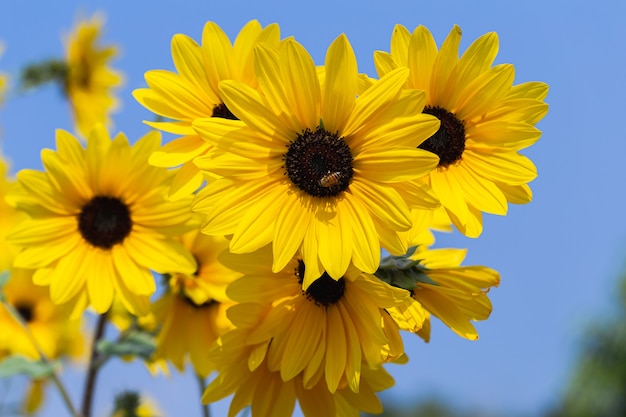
301	83
340	84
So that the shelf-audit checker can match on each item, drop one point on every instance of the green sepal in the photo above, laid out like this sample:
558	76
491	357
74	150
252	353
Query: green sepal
403	272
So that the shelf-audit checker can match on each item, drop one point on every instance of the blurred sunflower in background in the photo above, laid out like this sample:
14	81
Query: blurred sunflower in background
46	322
193	92
89	81
3	79
485	121
192	312
9	217
100	222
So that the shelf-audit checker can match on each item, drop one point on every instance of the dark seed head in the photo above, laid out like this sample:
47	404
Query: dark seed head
224	112
25	310
104	222
324	291
449	141
207	304
319	163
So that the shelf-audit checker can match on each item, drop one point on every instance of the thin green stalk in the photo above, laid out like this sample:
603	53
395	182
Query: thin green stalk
92	370
205	407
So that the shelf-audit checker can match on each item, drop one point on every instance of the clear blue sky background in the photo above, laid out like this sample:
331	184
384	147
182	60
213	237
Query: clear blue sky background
559	256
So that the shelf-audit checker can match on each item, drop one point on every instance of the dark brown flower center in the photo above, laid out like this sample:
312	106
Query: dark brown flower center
449	141
105	222
224	112
25	310
319	163
324	291
207	304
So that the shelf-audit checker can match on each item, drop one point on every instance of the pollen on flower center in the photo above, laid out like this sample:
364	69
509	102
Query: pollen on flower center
25	310
104	222
324	291
224	112
319	163
449	141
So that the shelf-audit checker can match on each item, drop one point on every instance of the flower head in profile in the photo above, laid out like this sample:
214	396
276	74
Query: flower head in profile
100	221
89	81
455	294
485	121
327	332
313	168
192	313
46	322
192	92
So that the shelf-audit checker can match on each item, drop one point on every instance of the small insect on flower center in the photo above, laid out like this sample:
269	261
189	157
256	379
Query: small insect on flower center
224	112
324	291
25	310
104	222
449	141
319	163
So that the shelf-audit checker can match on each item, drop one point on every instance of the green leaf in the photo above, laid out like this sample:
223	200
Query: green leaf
4	278
135	343
19	365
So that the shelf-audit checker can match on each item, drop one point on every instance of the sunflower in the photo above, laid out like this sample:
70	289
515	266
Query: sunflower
192	313
46	322
100	221
269	395
132	404
3	79
9	217
310	166
323	332
453	293
89	81
193	92
485	121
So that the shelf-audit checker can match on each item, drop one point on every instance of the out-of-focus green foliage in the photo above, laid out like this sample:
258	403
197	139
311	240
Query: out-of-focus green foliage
597	387
598	384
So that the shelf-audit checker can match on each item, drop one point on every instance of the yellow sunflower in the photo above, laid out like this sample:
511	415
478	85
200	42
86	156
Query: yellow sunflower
9	217
132	404
485	121
193	92
100	221
254	384
453	293
323	332
311	167
46	322
192	313
3	79
89	80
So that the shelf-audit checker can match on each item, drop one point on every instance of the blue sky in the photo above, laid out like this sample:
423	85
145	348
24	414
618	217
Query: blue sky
558	256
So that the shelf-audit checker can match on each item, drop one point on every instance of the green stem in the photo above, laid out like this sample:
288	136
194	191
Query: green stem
205	407
55	378
92	373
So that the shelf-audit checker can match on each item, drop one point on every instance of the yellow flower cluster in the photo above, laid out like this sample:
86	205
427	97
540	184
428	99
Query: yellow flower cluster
269	211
